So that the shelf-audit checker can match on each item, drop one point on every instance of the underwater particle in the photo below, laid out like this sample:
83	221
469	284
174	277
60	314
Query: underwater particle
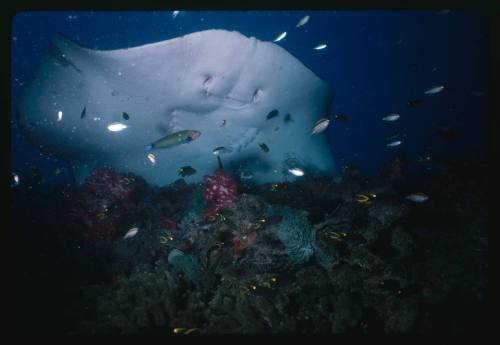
263	146
174	139
59	115
272	114
339	117
391	117
84	112
280	37
186	171
434	90
394	143
414	103
296	171
320	126
175	14
97	119
417	197
320	47
152	158
125	116
116	127
446	132
478	93
221	150
303	21
131	233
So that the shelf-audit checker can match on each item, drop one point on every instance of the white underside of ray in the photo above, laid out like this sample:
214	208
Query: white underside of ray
198	81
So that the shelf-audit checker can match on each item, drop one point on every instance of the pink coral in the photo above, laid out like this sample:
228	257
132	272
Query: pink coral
220	192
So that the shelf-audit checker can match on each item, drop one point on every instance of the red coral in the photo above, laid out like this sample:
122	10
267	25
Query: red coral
220	192
100	206
243	242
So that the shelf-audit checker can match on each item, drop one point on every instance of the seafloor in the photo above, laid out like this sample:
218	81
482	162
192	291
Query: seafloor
305	257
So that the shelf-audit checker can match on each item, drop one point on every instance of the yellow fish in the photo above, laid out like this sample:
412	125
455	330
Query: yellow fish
180	330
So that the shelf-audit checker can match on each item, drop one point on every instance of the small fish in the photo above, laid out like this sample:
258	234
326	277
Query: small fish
414	103
174	139
152	158
478	93
320	47
263	146
223	123
422	159
417	197
412	67
339	117
296	171
272	114
280	37
303	21
435	89
287	118
362	198
179	330
116	127
391	137
84	112
277	128
186	171
320	126
274	187
15	180
394	143
391	117
246	175
57	171
222	150
125	116
59	115
131	233
174	14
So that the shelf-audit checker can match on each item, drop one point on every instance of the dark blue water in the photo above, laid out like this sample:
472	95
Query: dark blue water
376	61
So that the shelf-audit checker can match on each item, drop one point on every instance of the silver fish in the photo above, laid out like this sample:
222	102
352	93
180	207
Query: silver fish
394	143
280	37
320	126
320	47
417	197
296	171
391	117
221	150
303	21
131	233
435	89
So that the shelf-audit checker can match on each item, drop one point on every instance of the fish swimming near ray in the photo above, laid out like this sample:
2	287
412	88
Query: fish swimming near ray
174	139
192	89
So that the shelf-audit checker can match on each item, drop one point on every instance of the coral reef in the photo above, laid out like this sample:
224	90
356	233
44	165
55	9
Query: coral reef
275	261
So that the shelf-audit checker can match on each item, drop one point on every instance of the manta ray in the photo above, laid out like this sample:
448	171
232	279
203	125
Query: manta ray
217	82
